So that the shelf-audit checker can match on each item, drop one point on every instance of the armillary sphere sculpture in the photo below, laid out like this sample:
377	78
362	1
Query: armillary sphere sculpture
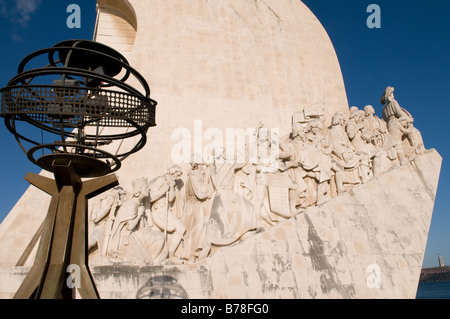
74	104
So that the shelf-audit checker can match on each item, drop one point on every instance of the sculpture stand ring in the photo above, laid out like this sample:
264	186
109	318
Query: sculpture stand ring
63	235
85	166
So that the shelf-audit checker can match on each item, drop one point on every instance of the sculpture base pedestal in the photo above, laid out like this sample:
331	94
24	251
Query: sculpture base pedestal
63	236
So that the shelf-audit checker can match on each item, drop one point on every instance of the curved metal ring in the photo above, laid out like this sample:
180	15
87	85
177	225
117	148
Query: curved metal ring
78	103
124	64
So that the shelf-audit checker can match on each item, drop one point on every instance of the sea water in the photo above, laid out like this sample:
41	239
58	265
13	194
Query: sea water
434	290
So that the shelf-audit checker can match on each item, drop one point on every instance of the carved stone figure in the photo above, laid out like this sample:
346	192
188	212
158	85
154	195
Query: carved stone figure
393	114
361	140
376	131
292	152
163	191
355	166
231	215
355	128
321	163
199	189
376	135
245	180
340	144
101	218
391	108
126	243
375	126
414	137
276	192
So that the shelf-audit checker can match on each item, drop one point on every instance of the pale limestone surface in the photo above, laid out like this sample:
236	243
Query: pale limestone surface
327	252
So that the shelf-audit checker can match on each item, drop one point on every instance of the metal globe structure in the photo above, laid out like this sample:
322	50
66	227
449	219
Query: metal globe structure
65	107
78	94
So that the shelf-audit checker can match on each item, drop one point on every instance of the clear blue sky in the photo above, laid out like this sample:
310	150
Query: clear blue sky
411	52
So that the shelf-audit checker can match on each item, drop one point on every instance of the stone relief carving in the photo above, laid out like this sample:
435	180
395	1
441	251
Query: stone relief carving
224	201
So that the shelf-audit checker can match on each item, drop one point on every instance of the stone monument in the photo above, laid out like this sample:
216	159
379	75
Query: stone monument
259	181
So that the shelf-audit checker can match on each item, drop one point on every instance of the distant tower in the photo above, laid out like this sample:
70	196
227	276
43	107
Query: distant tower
441	261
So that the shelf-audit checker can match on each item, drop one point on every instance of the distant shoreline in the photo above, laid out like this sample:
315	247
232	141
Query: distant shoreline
435	274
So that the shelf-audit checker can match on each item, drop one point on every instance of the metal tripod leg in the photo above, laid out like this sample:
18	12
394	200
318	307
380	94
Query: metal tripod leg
79	252
29	286
64	235
52	284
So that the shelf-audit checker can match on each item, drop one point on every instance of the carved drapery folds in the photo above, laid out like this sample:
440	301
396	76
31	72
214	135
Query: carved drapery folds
222	201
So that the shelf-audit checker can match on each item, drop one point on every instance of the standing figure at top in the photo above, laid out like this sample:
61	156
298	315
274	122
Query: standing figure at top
395	116
392	109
